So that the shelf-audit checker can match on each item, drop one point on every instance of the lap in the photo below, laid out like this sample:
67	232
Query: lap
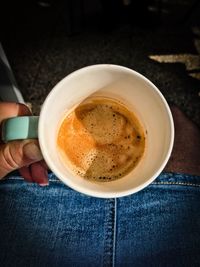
56	226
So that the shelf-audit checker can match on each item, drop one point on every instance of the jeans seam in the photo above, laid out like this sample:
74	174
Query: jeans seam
176	183
114	233
109	234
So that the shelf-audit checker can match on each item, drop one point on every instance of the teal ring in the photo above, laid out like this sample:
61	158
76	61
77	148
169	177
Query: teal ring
19	128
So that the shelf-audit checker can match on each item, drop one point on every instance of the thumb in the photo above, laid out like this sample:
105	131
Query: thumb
17	154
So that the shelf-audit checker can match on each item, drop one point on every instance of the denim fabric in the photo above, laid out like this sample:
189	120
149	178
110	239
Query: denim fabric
56	226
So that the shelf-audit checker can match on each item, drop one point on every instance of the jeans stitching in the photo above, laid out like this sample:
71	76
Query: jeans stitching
114	233
153	183
18	178
109	234
176	183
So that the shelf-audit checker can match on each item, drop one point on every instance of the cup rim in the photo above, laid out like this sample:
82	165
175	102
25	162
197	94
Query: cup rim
87	191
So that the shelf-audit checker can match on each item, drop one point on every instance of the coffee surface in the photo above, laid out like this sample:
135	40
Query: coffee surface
101	140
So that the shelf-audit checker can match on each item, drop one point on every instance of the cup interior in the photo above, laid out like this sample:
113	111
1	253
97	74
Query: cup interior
139	95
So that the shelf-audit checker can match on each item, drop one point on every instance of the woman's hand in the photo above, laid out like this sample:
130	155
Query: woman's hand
23	155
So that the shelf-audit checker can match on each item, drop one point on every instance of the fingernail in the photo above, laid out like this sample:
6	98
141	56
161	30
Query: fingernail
32	151
44	184
45	180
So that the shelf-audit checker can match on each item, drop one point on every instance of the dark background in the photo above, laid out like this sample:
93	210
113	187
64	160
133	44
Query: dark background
46	40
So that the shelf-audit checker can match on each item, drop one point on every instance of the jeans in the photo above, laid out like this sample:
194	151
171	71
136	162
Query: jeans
56	226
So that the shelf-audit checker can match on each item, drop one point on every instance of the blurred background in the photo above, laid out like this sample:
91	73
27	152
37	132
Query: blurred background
46	40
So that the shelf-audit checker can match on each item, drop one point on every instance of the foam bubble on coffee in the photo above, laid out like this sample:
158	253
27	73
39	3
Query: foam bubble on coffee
101	140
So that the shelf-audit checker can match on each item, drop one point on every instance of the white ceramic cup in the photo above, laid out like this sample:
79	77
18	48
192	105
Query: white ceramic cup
139	95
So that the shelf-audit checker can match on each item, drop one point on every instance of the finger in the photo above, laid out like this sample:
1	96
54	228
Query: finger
17	154
36	172
11	109
39	173
26	174
44	164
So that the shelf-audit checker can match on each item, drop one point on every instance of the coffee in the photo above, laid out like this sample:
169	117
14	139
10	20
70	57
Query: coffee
101	140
